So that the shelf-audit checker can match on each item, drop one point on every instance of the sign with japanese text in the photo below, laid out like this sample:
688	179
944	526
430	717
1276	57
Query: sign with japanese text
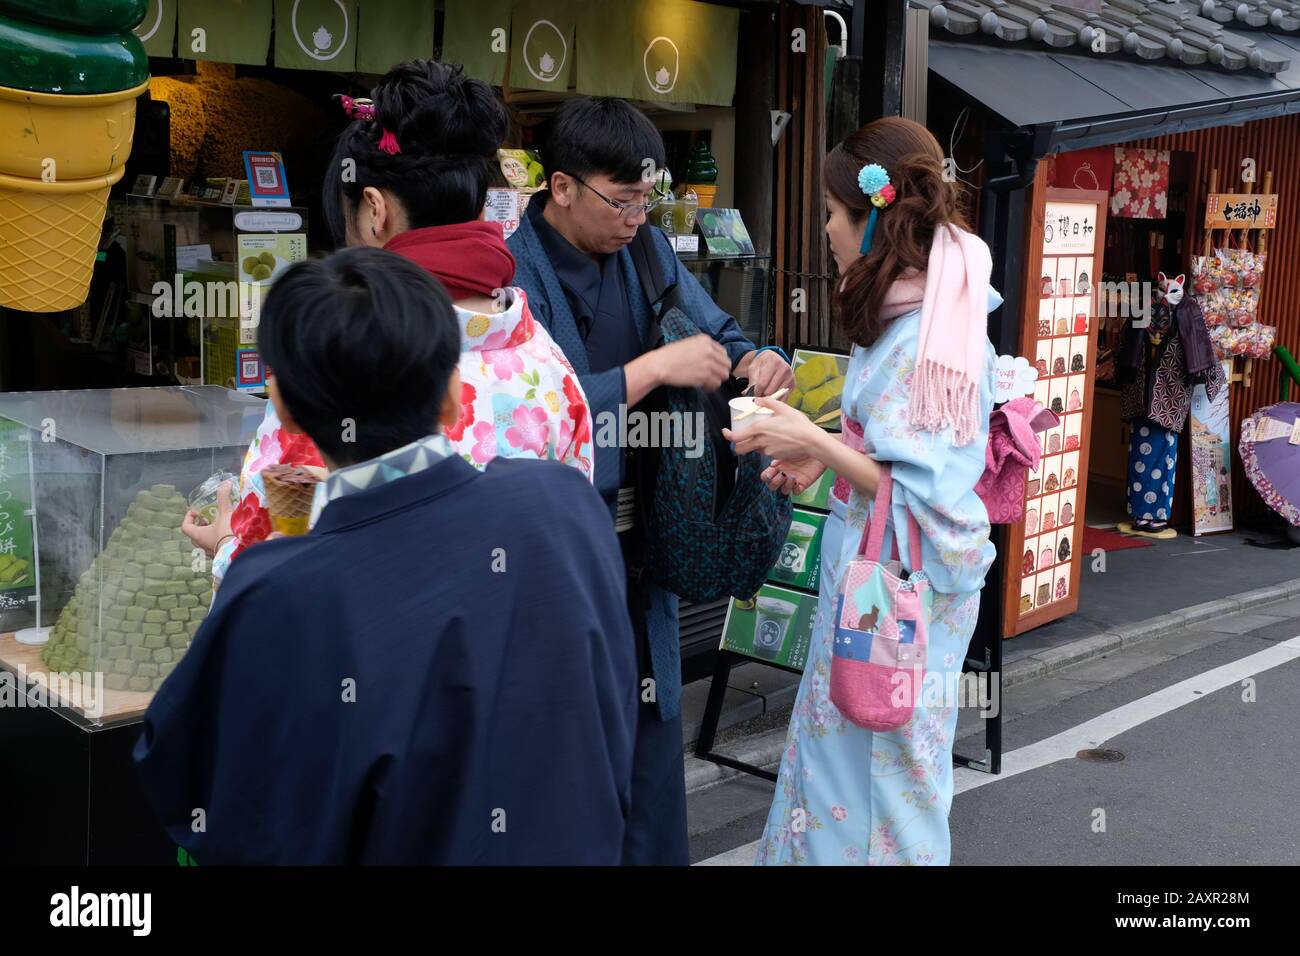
17	566
1241	210
1069	228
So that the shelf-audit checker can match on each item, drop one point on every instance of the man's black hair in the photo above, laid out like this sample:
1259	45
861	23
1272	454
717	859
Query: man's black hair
362	336
600	135
447	127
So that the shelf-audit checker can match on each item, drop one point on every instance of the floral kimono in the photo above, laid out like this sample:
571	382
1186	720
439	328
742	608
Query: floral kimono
519	398
845	794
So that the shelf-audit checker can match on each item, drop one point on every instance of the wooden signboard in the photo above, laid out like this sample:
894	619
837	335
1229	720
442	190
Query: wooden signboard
1243	217
1241	210
1059	336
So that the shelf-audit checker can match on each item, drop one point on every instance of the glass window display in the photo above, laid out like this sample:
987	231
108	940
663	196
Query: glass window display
117	590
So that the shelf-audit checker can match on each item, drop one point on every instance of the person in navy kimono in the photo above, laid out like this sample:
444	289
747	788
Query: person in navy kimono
443	670
572	259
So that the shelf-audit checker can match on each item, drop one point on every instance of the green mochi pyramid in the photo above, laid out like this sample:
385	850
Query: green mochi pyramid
125	610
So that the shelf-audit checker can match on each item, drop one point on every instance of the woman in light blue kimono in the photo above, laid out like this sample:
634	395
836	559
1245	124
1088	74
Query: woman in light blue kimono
918	391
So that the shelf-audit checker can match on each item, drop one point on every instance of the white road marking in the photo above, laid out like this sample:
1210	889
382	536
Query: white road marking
1091	733
1095	732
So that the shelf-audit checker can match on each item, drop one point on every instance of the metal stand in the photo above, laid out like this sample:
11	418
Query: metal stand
713	713
985	657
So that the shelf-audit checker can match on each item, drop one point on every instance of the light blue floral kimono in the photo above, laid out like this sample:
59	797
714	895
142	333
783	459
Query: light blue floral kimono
844	794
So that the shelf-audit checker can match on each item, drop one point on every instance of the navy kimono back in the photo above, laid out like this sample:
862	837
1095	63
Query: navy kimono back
441	672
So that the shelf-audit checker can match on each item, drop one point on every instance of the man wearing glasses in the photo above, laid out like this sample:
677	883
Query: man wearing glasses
573	262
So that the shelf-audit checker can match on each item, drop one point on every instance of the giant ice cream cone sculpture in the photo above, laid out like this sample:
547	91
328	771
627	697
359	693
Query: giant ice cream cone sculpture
70	71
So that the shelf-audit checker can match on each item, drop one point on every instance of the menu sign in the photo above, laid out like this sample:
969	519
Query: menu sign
1043	574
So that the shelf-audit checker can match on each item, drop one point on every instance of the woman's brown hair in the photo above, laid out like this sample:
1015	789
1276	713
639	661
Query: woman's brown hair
904	229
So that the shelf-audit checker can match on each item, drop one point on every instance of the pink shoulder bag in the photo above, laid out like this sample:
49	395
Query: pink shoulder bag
881	627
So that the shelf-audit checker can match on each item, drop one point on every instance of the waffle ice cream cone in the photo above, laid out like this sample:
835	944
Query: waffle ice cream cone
289	493
50	227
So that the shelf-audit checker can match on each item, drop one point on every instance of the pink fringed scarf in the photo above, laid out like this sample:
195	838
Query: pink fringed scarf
954	328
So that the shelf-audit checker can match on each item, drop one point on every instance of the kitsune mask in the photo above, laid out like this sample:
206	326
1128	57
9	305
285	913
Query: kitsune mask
1172	289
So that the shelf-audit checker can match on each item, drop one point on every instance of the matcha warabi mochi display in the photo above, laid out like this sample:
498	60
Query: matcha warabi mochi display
150	597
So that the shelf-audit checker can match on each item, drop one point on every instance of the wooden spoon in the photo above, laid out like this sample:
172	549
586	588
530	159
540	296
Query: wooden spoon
775	396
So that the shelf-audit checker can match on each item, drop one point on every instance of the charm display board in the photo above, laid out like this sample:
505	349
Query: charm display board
1059	336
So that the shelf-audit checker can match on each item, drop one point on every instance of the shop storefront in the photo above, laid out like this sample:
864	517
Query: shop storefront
1096	175
150	370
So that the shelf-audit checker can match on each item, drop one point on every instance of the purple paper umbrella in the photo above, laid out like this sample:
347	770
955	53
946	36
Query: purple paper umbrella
1272	462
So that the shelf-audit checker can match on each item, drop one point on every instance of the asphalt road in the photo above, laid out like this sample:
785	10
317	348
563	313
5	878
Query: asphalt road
1206	721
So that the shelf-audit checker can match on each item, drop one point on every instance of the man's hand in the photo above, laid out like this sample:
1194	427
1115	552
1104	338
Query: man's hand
695	362
767	372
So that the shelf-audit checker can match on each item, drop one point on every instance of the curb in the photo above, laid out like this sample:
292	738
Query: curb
764	750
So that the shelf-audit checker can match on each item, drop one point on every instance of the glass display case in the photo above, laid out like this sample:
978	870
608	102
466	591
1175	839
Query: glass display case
741	286
197	272
93	487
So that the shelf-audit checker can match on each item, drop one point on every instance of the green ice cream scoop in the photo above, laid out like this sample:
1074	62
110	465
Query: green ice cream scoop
43	58
87	16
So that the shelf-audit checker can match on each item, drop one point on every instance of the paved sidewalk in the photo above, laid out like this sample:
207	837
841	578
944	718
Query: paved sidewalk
1143	595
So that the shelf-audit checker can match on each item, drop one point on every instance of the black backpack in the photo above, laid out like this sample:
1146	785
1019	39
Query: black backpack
710	526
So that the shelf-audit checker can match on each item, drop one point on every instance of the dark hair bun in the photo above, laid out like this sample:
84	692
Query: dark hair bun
434	107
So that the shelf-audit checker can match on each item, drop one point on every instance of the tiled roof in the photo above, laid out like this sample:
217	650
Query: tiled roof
1187	32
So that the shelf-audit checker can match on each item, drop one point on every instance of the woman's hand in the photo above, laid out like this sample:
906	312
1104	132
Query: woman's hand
785	434
208	537
793	476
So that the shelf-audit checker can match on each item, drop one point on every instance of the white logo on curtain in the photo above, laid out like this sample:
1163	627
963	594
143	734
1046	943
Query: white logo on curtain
157	23
547	68
321	37
662	81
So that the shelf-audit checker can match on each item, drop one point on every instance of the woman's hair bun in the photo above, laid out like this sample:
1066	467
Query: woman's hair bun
434	107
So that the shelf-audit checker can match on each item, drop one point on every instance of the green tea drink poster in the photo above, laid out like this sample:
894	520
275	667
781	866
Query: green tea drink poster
800	560
775	626
818	494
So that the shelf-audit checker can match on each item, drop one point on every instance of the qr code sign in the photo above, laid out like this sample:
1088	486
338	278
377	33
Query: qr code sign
266	177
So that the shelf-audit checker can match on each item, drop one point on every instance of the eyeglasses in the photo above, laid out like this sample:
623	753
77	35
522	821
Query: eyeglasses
623	207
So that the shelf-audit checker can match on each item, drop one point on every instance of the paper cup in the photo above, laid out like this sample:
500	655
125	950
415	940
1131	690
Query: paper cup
743	404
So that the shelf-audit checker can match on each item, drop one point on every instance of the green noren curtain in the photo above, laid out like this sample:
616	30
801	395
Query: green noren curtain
157	31
316	35
393	31
542	48
225	31
676	51
476	34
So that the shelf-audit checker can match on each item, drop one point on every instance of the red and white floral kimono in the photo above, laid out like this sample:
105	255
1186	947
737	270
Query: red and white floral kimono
519	396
